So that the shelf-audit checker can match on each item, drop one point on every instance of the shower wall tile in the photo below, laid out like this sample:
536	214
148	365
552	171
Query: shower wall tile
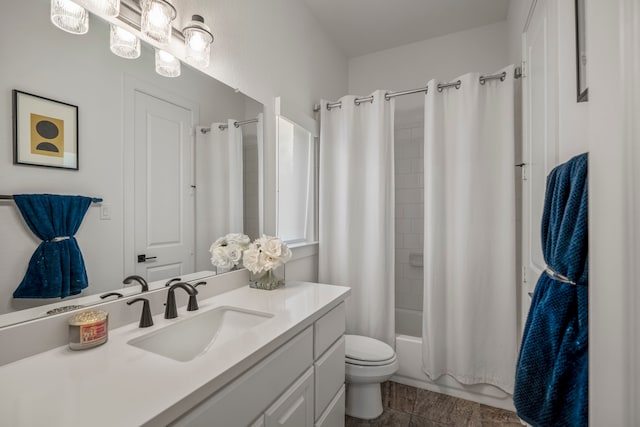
402	256
403	135
404	225
413	210
404	166
409	184
409	195
413	241
417	166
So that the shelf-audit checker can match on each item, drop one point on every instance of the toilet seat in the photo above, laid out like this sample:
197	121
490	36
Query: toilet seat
365	351
369	363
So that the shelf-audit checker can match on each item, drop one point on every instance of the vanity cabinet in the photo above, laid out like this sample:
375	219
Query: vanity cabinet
299	384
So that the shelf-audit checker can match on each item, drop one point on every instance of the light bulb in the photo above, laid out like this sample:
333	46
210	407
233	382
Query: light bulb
198	39
70	17
107	7
157	16
167	65
123	43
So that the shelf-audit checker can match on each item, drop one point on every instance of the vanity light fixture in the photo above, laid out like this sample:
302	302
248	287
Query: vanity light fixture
69	16
156	19
197	40
108	7
167	65
123	43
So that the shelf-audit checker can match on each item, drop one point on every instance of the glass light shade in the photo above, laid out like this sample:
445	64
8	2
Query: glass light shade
157	16
166	64
123	43
108	7
70	17
198	39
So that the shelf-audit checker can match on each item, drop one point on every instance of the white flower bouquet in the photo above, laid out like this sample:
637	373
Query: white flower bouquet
226	252
263	256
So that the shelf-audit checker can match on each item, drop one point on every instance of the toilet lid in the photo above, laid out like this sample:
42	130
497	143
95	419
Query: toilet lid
358	347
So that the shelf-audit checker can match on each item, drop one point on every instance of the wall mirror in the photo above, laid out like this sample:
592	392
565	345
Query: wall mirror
297	179
145	146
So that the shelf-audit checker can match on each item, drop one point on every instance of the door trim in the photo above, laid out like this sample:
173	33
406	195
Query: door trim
131	85
614	208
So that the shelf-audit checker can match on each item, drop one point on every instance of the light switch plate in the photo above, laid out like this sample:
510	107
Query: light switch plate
105	211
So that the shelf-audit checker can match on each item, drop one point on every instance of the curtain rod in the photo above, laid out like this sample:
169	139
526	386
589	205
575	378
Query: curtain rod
236	124
517	73
7	197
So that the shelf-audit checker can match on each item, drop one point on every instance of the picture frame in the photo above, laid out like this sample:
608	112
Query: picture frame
581	52
45	132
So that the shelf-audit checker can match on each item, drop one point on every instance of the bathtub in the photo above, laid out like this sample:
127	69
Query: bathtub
409	353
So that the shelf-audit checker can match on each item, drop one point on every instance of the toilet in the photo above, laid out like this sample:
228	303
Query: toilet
369	362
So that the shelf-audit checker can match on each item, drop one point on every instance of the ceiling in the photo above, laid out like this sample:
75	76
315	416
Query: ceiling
364	26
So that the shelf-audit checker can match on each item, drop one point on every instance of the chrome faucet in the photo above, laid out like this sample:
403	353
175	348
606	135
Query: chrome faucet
128	280
170	311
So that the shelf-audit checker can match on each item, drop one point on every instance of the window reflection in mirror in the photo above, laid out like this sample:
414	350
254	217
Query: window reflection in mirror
297	183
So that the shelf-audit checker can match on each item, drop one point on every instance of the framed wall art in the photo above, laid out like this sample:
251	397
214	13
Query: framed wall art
45	132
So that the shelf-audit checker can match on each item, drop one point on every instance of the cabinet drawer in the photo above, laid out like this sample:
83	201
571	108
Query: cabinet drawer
334	415
295	407
241	402
328	328
329	375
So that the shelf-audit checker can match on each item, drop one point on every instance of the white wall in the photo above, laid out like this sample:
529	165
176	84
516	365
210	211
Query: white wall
482	49
411	66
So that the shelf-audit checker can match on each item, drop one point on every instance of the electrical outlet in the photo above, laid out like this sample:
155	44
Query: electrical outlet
105	211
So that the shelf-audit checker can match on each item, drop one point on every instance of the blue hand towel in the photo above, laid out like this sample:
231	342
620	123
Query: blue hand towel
551	386
56	269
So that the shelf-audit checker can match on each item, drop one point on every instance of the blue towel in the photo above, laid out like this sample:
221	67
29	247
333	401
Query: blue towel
551	386
56	269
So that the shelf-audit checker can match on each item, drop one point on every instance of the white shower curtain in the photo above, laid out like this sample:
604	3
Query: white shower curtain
221	166
470	319
357	211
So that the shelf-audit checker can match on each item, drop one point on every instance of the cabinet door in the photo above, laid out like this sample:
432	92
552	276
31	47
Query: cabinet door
334	415
329	375
295	407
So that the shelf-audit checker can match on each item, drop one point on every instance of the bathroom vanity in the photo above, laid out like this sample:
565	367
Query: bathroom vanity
276	358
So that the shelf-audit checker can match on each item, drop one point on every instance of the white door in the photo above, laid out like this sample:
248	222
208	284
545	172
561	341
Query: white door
540	127
163	188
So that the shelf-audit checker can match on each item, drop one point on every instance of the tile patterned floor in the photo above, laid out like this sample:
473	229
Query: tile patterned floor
406	406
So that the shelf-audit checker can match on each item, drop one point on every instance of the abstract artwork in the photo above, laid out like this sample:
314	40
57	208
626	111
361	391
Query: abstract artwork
45	132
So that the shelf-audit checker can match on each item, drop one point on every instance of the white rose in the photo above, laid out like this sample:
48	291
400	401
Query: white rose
276	248
234	252
238	239
253	259
220	258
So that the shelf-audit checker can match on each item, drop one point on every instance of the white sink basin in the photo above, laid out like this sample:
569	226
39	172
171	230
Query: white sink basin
186	339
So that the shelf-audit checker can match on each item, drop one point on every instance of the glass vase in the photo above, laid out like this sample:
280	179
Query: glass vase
267	281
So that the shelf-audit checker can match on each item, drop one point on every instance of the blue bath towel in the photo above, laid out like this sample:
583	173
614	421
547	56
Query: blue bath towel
56	269
551	386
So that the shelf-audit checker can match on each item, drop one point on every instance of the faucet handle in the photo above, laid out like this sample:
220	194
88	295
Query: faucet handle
135	278
175	279
200	284
111	294
145	319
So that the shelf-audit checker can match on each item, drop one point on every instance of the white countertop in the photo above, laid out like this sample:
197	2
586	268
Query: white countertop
117	384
